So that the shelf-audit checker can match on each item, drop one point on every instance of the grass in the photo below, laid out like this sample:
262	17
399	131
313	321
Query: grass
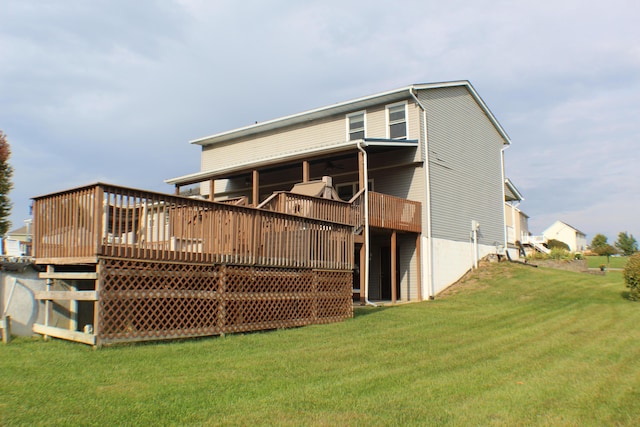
614	261
512	345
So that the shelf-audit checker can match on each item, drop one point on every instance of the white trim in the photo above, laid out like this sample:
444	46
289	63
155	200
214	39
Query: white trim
198	177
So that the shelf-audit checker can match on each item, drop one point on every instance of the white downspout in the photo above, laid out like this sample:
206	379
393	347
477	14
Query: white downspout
365	166
430	282
474	246
504	214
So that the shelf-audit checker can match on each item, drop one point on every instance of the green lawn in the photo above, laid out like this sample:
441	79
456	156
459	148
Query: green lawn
513	346
614	261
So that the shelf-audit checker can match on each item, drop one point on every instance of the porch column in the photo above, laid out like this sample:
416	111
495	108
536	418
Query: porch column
394	281
212	189
255	192
305	171
177	190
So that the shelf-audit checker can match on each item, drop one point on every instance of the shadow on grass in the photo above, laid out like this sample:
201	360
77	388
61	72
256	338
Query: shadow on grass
367	310
627	295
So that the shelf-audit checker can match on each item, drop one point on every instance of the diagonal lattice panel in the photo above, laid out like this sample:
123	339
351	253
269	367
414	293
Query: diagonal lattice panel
150	300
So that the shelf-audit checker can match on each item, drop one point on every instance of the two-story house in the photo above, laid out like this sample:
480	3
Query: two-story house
430	155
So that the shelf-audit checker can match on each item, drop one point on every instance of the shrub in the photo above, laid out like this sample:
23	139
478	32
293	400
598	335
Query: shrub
557	244
538	255
559	254
632	277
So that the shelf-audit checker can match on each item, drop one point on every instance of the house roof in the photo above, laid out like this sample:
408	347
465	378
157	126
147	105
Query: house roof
20	234
345	107
567	225
306	116
511	193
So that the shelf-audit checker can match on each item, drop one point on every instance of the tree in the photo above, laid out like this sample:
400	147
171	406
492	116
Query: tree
6	173
626	243
606	250
598	241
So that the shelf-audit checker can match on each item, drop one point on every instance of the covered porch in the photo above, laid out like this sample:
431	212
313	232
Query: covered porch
387	226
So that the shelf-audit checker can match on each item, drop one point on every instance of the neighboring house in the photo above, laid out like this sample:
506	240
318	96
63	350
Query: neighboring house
17	243
516	221
433	154
574	238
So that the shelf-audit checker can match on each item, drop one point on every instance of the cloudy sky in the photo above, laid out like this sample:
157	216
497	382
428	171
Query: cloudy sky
113	90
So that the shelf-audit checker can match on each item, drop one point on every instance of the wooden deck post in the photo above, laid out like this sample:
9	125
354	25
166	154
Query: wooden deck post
96	305
6	329
212	189
47	303
305	171
255	192
394	263
177	190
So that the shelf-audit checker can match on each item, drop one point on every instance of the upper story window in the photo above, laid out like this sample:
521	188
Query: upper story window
355	125
397	120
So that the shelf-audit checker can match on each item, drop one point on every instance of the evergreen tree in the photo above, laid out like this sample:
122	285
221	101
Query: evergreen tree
626	243
6	173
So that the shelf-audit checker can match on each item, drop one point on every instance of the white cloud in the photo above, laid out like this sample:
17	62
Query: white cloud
114	90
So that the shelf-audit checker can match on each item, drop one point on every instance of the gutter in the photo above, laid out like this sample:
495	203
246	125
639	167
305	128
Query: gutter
430	280
360	145
504	214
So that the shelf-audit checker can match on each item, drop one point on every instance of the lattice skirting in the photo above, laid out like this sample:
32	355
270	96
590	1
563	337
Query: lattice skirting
146	300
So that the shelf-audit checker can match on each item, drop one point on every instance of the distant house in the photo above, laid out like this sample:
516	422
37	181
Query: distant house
574	238
516	221
17	243
437	145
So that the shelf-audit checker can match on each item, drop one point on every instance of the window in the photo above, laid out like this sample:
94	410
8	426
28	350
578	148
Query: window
397	119
355	126
347	190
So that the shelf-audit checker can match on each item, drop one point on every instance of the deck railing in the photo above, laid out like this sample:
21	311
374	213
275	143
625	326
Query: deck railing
82	224
395	213
312	207
385	211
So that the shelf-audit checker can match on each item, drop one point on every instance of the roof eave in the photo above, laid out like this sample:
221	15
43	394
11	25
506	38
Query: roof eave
301	117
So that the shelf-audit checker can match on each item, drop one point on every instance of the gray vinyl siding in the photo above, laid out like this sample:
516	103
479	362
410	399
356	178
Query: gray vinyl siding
408	267
465	167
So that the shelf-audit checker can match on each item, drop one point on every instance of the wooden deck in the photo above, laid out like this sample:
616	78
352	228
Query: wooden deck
151	266
80	225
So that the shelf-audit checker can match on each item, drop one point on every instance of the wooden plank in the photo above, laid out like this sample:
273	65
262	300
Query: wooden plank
64	334
69	275
67	295
67	261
